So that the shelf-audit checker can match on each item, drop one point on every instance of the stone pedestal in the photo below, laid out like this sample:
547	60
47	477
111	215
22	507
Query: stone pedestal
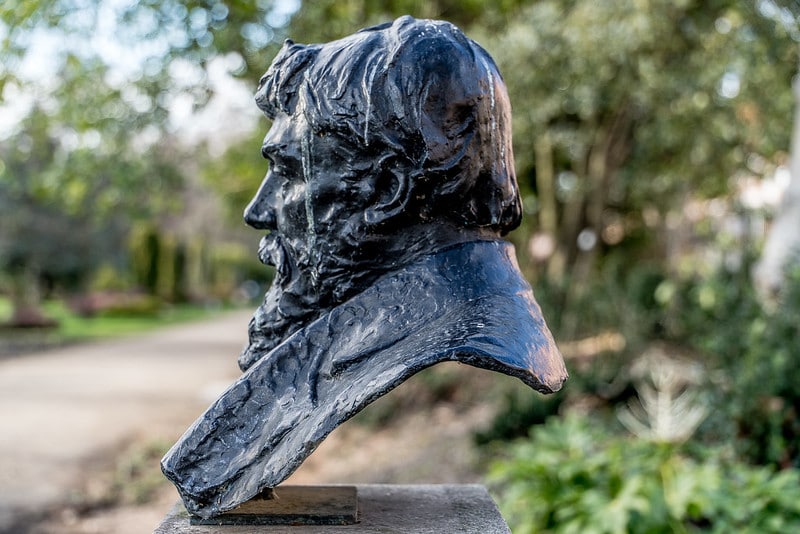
421	509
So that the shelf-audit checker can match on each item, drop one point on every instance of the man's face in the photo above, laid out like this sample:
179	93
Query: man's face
302	204
303	200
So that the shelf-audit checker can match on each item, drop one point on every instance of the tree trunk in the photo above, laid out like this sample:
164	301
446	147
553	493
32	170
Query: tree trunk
26	300
783	241
548	212
607	154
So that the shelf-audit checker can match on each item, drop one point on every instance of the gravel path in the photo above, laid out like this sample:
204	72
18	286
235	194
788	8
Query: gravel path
62	408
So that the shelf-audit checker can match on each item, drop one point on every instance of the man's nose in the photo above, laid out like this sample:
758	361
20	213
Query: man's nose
260	213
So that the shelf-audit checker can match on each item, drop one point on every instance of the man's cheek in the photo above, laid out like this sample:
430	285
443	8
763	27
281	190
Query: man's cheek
326	218
293	209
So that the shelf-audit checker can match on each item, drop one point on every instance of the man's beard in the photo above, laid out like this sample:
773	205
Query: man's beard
290	303
309	282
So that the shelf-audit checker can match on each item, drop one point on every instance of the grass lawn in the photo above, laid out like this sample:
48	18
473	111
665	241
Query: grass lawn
72	327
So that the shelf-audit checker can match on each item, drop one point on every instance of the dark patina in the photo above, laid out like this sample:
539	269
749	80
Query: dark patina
391	184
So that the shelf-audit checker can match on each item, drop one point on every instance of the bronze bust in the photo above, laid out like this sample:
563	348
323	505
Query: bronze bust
391	184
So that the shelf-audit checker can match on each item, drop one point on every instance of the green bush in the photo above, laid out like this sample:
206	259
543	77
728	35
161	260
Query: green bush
128	306
599	381
576	476
755	354
751	352
517	414
763	396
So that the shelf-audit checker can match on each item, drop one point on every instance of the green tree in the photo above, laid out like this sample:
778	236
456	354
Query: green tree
71	182
92	157
324	20
624	108
621	109
235	175
195	30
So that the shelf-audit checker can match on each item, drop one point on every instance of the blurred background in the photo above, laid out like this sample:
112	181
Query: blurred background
657	148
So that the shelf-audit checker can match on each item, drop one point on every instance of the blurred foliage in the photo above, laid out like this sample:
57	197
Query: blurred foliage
236	174
324	20
193	30
616	104
518	413
749	349
756	356
93	157
624	109
198	30
448	383
578	476
70	185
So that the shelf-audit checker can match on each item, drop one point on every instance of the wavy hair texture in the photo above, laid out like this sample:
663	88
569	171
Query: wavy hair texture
416	104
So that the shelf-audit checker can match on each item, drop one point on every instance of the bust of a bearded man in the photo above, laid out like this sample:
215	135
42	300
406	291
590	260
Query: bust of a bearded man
390	187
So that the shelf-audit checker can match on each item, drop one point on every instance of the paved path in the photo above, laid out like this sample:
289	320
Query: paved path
60	408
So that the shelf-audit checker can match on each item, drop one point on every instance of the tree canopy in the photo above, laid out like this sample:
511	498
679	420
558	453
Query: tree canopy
621	109
72	180
628	105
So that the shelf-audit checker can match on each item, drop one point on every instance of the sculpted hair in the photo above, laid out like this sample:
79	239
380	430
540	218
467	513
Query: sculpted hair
417	104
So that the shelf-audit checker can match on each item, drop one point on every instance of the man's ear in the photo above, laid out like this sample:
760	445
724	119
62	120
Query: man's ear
391	196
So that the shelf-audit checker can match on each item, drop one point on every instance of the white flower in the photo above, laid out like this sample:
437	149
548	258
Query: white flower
669	408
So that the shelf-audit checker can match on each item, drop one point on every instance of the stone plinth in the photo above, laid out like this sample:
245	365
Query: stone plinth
421	509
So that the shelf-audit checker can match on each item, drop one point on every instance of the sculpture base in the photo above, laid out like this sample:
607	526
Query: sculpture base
420	509
293	505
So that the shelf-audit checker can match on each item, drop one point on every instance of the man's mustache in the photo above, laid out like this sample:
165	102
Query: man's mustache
271	250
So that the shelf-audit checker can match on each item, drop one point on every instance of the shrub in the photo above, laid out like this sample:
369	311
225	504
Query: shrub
756	355
130	305
575	476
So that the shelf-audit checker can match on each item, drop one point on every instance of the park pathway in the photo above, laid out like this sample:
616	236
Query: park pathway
61	408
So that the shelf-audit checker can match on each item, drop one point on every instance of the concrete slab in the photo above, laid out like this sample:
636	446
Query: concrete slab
383	508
